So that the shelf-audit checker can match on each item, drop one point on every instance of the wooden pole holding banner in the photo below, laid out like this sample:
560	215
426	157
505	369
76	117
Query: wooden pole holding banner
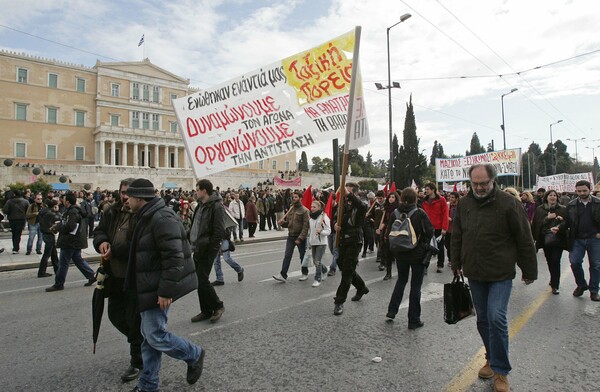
355	57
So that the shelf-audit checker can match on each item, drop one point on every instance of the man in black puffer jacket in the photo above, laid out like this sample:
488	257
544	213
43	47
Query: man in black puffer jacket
161	270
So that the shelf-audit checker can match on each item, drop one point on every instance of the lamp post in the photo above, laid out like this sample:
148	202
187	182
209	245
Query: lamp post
502	126
576	140
594	160
553	165
389	87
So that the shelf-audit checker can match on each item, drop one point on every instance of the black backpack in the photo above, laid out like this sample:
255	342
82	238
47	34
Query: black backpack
402	237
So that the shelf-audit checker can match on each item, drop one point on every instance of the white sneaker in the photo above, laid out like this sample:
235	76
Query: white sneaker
279	278
303	278
316	283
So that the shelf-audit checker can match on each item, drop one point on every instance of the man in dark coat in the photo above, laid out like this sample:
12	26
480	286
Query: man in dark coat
161	270
16	210
72	238
112	239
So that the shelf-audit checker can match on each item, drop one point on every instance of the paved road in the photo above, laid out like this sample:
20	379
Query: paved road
283	337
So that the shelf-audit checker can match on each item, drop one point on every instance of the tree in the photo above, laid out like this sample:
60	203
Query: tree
303	163
436	152
476	147
410	163
317	165
368	169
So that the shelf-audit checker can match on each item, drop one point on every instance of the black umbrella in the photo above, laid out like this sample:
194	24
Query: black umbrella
98	302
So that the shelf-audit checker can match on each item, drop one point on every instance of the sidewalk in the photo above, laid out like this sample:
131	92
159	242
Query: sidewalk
10	262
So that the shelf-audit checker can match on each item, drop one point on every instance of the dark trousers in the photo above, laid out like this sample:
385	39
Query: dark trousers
251	228
90	223
49	252
272	220
209	300
289	252
447	241
441	254
347	261
553	256
16	229
123	314
414	298
387	257
263	221
369	234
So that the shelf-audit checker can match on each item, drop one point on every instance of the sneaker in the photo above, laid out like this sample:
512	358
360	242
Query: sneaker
194	370
555	291
280	278
316	283
338	309
578	292
331	272
303	278
217	314
15	252
390	315
501	383
486	371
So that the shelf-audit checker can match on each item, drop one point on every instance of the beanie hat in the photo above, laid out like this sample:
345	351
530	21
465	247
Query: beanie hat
141	188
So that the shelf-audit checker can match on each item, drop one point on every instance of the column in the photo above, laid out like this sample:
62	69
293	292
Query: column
102	153
186	162
124	153
113	153
136	159
167	157
146	163
176	156
156	156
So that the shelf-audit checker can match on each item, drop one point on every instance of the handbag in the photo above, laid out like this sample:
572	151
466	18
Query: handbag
552	240
458	303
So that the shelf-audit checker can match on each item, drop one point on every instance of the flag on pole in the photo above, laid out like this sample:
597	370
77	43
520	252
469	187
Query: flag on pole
307	197
414	185
393	187
329	206
455	189
141	41
385	189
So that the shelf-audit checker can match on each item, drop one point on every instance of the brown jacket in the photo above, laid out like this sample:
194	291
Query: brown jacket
296	221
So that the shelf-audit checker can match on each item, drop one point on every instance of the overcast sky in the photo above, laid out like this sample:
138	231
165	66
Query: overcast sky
211	41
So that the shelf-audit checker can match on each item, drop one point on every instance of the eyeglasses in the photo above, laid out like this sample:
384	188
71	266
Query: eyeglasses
481	184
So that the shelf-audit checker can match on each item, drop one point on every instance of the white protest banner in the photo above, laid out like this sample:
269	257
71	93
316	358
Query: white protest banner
506	162
285	106
562	182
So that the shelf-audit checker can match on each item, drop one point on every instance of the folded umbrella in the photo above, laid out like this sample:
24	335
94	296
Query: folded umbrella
98	302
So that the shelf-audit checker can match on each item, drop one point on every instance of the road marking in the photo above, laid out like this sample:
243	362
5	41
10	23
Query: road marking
40	287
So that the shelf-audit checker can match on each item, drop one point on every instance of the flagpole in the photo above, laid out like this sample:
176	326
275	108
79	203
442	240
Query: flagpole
355	57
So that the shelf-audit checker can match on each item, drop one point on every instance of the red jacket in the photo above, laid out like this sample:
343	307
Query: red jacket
437	211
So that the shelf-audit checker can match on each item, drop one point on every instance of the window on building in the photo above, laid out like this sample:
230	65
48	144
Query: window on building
287	165
22	75
20	150
155	94
173	126
79	118
51	115
274	164
146	92
50	151
114	120
79	153
135	119
261	165
81	85
115	89
136	91
145	120
21	112
173	97
171	159
52	80
155	122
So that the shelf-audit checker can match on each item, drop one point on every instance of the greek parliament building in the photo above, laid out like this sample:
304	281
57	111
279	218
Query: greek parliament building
96	125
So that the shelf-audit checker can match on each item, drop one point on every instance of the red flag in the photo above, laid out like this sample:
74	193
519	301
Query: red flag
393	187
454	188
385	189
329	206
307	197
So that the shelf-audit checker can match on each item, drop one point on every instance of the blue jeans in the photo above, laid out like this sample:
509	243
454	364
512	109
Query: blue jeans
592	246
34	231
491	304
228	259
317	252
238	229
289	252
158	340
334	251
414	298
66	255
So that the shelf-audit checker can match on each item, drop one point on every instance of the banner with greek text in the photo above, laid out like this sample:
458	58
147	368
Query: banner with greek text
293	183
283	107
562	182
506	162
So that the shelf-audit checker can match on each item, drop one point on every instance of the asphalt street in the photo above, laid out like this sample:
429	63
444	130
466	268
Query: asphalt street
284	337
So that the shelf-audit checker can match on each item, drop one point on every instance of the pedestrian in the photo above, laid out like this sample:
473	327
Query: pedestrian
583	224
490	234
436	208
375	214
296	221
72	238
251	216
226	252
333	247
236	207
411	260
112	239
33	224
319	229
529	205
186	215
206	236
87	206
539	196
453	198
47	216
278	208
368	229
16	211
550	214
161	270
351	240
387	258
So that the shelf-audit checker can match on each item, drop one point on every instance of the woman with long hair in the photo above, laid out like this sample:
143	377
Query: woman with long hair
319	228
528	205
391	203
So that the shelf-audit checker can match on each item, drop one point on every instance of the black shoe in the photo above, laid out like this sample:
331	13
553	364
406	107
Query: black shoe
1	250
364	254
555	291
130	374
54	288
137	389
338	309
90	282
240	275
578	292
387	276
201	317
381	267
415	326
217	283
359	295
27	253
331	272
44	275
194	371
39	252
595	297
390	315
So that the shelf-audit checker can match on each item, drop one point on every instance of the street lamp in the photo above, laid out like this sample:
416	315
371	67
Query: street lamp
502	126
553	165
389	87
576	140
593	160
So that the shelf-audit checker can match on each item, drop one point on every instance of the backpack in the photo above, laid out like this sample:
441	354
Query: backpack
402	237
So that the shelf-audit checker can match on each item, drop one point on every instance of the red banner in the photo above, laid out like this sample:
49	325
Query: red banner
293	183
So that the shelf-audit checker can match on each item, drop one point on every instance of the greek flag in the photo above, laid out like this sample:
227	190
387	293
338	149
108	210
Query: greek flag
141	41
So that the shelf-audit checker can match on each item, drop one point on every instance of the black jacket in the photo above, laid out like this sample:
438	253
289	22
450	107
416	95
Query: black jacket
211	230
72	223
47	218
160	258
353	220
16	208
423	229
106	231
541	224
572	221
